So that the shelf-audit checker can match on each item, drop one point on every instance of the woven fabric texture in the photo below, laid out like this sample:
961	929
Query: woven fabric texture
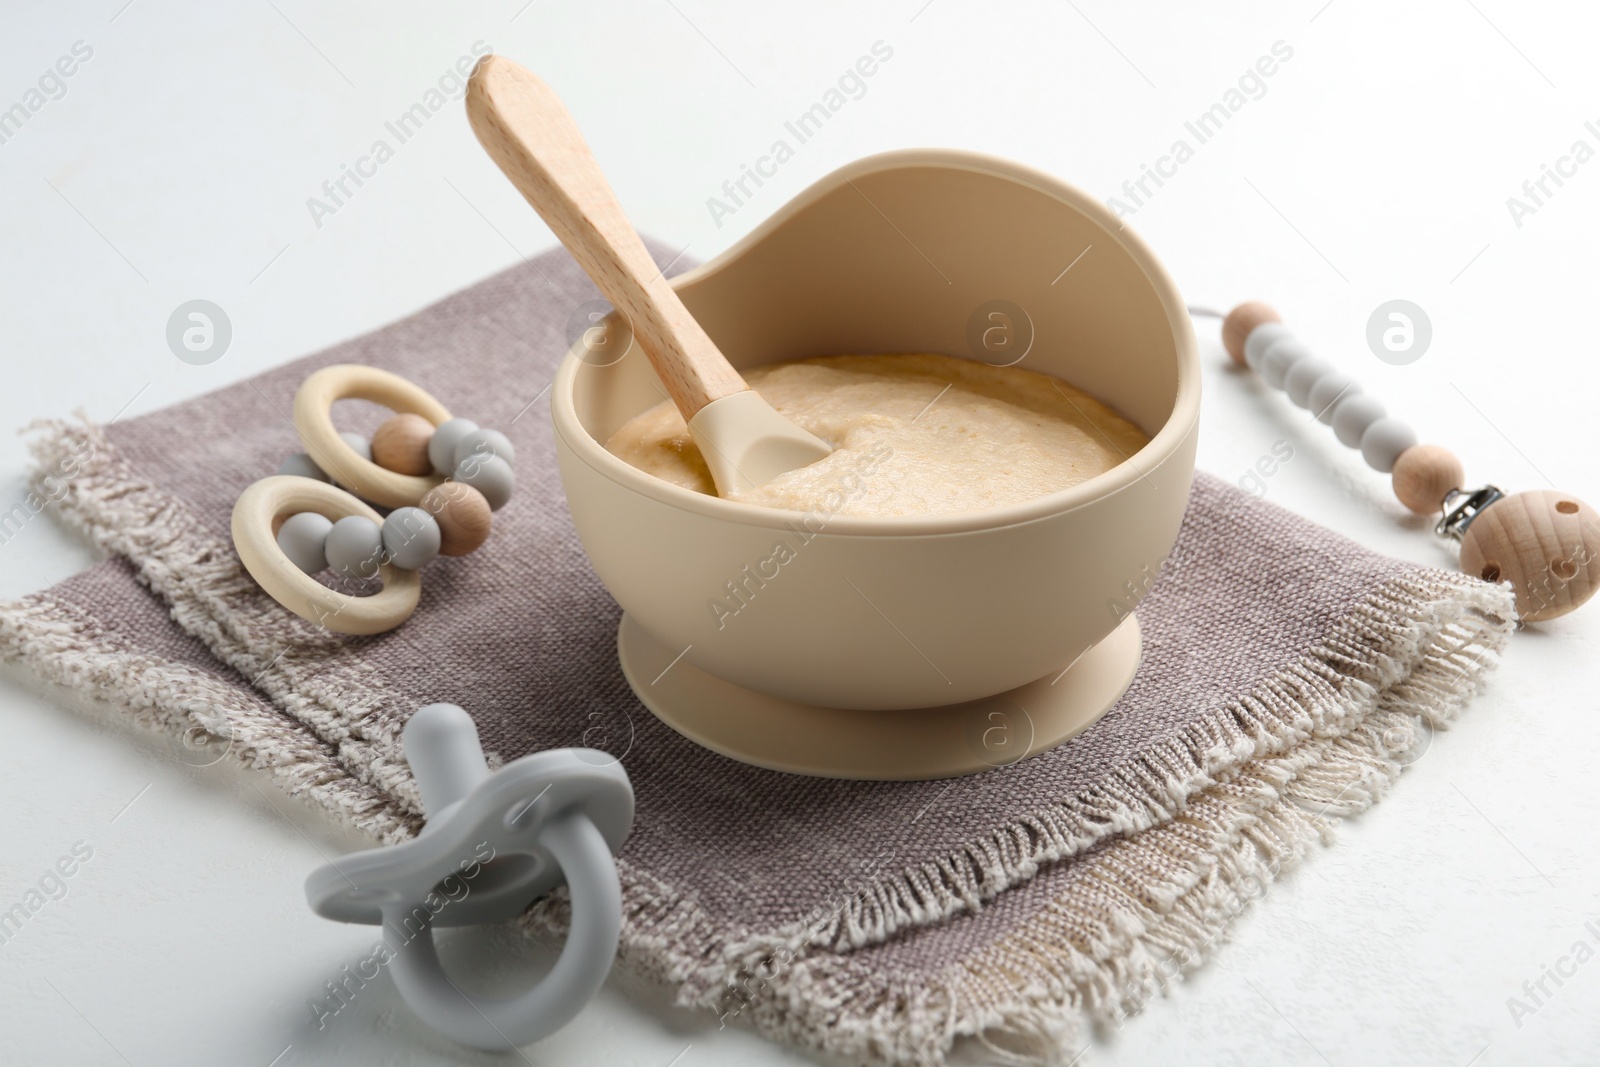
1288	675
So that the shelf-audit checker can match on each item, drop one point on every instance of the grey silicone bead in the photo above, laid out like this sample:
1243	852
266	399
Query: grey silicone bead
1352	417
410	537
486	442
1301	377
355	547
442	445
1328	391
1260	339
489	475
1279	357
303	466
1383	442
302	537
361	446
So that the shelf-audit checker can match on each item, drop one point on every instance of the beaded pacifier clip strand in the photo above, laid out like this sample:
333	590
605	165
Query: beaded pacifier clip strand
443	477
1543	542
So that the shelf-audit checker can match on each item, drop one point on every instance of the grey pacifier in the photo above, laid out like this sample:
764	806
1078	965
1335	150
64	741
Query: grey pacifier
492	844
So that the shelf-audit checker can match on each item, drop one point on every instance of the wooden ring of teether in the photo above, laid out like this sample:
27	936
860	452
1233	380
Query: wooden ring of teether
256	516
313	418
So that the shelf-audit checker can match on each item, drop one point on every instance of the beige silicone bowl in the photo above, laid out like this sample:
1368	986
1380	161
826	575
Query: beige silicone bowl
899	253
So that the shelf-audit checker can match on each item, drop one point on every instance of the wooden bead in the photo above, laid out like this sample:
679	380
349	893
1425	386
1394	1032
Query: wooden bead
1423	474
1545	543
401	444
1240	321
463	516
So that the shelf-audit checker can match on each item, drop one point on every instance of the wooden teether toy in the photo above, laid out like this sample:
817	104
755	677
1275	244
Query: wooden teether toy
1544	542
305	508
443	476
493	843
411	453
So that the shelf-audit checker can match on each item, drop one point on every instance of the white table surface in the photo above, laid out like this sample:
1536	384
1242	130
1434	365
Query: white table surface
1377	165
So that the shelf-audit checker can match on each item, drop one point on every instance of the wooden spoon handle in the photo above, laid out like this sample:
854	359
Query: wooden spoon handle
526	129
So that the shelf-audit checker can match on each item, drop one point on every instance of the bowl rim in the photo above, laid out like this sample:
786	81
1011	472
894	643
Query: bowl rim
1162	445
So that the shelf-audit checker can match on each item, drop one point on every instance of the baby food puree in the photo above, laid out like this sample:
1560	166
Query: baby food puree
914	435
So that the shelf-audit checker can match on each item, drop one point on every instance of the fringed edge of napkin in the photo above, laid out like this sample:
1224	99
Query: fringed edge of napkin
1330	732
350	740
65	649
1327	729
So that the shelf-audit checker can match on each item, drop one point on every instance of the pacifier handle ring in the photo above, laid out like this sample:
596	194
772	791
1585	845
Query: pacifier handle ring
496	1023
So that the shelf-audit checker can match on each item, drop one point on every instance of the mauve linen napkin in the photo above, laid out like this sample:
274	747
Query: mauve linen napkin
1287	674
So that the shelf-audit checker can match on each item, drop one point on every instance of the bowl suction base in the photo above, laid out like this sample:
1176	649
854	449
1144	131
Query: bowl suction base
910	744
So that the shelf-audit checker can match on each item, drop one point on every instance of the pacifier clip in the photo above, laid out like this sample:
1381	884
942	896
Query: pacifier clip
1544	542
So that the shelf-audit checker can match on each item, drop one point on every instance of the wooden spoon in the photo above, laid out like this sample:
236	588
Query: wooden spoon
529	133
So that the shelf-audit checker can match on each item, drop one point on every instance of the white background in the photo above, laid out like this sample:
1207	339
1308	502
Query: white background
1376	166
